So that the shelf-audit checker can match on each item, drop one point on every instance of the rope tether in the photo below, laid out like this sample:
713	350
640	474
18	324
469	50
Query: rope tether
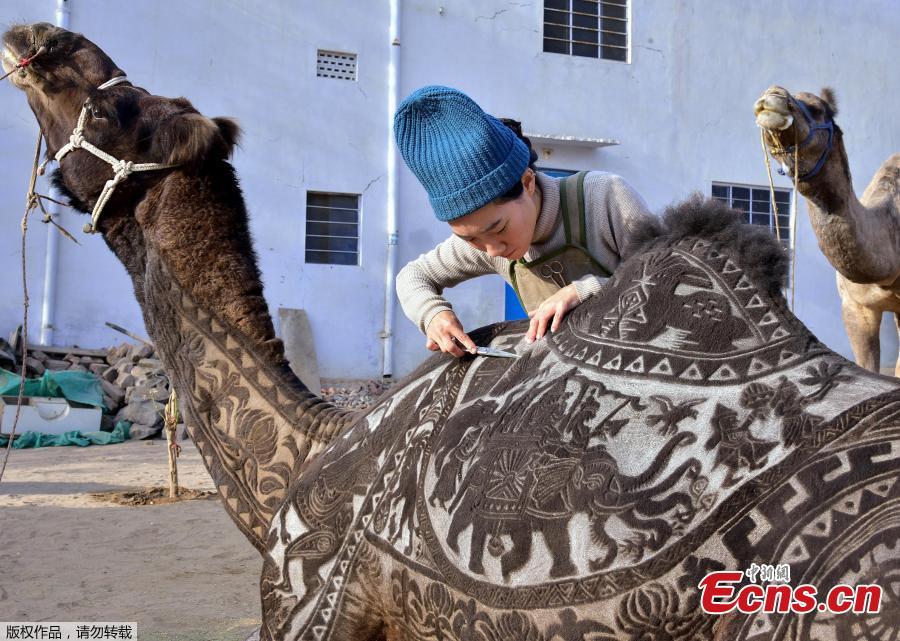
23	62
30	204
793	222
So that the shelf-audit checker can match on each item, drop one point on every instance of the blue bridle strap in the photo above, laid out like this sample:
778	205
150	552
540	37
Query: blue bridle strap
813	128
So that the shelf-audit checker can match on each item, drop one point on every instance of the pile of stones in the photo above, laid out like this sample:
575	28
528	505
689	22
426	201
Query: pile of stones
135	386
352	394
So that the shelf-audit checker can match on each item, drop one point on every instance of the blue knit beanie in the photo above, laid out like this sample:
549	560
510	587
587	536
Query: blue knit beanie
463	157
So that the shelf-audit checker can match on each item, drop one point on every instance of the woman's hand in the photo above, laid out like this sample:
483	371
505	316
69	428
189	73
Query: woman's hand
552	311
441	332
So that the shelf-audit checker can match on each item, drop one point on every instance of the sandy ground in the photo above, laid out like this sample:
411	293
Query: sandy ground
181	571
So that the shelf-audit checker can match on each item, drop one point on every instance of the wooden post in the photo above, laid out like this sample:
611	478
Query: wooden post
171	421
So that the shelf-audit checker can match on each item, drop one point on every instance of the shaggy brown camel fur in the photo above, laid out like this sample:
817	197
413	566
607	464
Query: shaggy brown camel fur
577	493
859	236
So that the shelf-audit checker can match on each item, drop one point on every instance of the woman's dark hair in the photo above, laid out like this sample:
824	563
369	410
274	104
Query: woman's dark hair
517	189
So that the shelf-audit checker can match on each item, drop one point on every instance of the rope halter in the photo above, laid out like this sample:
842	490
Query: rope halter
813	128
121	168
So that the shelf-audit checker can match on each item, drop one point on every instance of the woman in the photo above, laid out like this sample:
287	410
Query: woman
554	240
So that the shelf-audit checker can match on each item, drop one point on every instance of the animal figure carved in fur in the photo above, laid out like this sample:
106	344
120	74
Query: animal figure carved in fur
682	421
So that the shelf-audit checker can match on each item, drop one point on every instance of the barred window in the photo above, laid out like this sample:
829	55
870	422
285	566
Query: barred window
589	28
332	228
756	205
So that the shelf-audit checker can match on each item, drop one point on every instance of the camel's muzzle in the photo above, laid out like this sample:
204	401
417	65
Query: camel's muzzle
18	41
8	59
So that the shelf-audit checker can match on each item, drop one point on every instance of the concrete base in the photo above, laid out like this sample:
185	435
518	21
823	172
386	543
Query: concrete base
299	346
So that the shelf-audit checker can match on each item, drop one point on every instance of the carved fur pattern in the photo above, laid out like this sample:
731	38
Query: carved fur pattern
507	510
719	327
243	415
422	610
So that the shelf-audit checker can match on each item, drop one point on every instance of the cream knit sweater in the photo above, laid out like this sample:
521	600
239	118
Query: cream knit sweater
613	210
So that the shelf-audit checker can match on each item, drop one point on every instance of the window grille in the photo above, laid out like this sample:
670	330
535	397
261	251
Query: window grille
589	28
332	228
755	203
334	64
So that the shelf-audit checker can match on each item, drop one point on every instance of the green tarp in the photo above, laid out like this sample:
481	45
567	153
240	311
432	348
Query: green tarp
75	437
82	387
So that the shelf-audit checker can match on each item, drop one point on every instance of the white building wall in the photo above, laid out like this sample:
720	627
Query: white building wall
682	110
255	61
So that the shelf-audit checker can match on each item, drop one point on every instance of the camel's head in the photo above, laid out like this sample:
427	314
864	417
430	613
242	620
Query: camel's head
67	61
124	121
67	67
805	119
130	124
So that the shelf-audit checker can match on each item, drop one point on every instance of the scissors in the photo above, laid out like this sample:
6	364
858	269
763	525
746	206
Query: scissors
553	271
488	351
493	351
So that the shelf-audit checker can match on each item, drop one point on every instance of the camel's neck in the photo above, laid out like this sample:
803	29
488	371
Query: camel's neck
198	225
860	241
253	421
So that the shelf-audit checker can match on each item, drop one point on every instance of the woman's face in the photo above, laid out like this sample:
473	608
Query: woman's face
502	229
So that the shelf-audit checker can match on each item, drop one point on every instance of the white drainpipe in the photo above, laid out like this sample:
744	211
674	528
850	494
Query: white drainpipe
387	332
51	262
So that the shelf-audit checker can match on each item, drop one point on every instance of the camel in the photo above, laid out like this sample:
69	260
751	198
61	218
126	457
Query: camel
183	237
860	237
580	491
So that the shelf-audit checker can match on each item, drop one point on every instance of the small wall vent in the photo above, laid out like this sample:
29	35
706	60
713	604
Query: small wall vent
337	65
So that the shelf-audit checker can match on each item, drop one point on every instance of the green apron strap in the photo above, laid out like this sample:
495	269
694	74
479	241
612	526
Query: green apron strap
564	206
571	201
582	238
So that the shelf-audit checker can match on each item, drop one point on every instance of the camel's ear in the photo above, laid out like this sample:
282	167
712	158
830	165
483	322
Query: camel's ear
230	132
827	94
191	138
184	138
